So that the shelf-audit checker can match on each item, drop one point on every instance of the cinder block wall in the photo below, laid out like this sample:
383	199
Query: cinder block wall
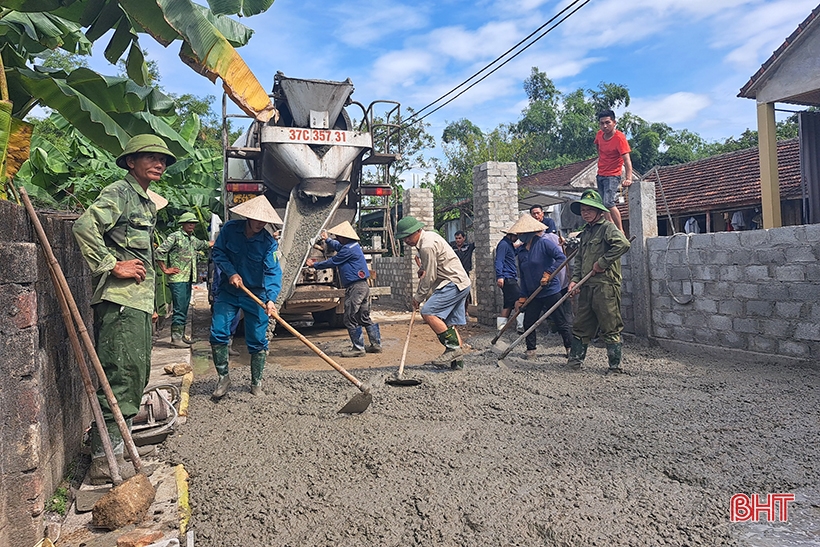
394	272
43	407
755	290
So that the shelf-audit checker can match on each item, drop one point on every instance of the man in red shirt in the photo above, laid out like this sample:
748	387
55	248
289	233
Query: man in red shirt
613	155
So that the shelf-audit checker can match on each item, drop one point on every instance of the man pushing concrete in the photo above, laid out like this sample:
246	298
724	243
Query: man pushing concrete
445	285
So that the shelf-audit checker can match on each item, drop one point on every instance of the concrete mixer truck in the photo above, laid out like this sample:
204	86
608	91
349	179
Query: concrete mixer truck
309	164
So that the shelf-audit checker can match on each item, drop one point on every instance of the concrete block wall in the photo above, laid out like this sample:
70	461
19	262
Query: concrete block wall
417	202
495	208
43	406
394	272
754	290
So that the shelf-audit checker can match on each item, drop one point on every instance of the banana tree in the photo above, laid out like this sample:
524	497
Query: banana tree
109	110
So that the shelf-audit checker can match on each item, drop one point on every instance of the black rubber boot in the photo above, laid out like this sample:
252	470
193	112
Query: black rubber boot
257	367
613	354
577	353
375	338
220	356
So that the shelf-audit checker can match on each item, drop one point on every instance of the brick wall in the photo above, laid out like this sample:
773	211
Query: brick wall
755	290
43	406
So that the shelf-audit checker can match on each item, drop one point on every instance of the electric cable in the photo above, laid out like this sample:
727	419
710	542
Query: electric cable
415	117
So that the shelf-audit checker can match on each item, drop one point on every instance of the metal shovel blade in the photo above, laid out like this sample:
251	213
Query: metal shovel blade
500	346
357	404
402	381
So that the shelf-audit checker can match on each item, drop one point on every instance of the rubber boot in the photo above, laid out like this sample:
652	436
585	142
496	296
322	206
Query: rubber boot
500	323
357	339
232	352
452	349
519	324
257	367
375	338
613	354
99	473
577	353
177	336
220	356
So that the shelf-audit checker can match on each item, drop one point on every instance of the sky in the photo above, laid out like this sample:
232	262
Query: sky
683	61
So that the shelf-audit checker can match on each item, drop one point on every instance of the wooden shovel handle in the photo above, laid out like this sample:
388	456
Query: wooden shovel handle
406	344
352	379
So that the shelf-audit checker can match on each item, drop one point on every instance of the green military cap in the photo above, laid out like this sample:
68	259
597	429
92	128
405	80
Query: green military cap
591	198
408	226
187	217
145	144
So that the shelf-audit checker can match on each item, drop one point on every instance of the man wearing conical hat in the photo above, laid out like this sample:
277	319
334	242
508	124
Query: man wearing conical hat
176	257
354	273
539	256
599	298
246	254
445	286
114	235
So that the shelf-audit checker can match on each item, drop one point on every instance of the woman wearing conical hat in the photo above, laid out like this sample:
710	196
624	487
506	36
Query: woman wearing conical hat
246	254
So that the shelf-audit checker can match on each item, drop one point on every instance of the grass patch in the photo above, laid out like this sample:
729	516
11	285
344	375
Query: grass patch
59	502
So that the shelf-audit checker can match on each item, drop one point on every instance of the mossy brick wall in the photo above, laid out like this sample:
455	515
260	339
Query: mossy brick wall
43	406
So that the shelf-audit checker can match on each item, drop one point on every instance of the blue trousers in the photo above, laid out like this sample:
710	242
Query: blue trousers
225	309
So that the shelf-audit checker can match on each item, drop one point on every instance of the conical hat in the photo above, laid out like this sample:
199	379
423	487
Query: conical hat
158	200
345	230
525	225
258	208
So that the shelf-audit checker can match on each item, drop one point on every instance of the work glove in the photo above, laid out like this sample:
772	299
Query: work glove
545	279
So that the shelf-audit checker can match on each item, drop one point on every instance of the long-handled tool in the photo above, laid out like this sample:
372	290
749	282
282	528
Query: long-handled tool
60	280
511	321
358	403
542	319
399	379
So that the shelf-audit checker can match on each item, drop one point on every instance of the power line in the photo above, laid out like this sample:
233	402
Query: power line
415	117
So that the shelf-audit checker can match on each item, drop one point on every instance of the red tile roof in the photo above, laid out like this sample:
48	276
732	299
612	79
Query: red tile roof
745	90
724	182
559	177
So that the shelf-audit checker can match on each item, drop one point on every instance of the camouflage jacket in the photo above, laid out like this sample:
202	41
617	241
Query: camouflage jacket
119	226
603	243
180	251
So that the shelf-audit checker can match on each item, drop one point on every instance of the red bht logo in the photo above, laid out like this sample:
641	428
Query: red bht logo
743	508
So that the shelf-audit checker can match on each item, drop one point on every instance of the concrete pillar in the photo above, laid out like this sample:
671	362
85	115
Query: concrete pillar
495	208
417	202
643	224
769	183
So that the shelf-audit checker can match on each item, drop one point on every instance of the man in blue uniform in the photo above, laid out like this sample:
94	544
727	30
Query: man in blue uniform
246	254
353	270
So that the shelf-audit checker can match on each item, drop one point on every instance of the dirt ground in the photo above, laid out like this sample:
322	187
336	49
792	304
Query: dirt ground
529	454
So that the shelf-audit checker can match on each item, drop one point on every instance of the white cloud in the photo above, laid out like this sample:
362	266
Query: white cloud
672	109
362	23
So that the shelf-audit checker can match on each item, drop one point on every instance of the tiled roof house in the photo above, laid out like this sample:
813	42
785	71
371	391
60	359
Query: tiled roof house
709	188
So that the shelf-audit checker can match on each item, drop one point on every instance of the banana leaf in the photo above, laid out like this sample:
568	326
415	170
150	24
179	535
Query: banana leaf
244	8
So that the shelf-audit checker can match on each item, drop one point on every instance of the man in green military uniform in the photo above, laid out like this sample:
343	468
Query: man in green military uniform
599	298
114	234
176	257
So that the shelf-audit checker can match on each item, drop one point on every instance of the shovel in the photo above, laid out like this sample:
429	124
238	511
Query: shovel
358	403
541	319
399	380
511	321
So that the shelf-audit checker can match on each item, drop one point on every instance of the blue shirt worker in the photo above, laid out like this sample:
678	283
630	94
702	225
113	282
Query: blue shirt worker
114	235
176	257
246	254
506	276
349	260
444	284
538	257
